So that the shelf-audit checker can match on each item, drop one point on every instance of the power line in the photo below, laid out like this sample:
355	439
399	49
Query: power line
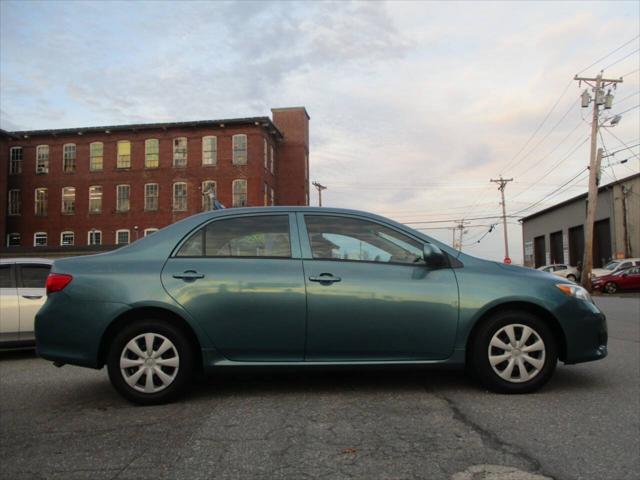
627	147
609	54
630	73
490	217
550	194
621	59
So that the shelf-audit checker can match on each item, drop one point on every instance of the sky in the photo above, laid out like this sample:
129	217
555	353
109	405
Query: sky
414	106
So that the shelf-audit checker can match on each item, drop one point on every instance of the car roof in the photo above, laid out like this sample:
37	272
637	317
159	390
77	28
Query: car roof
26	260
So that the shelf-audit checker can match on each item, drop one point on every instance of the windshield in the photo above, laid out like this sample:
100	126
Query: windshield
611	265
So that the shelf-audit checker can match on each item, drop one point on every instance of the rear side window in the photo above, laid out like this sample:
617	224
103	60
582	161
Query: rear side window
6	278
33	276
259	236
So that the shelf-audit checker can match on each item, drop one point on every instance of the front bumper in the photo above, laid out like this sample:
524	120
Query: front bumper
585	328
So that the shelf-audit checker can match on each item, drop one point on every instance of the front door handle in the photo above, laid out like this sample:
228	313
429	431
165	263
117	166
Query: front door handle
325	278
32	297
189	275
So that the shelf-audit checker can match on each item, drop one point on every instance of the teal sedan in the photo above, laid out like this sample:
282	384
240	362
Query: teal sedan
282	286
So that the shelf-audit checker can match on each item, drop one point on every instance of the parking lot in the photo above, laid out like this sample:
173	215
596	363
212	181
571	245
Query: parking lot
68	423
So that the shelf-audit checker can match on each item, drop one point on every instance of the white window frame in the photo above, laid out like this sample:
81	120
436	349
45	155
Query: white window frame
147	153
15	164
119	207
122	230
186	197
236	159
73	238
273	196
234	194
207	203
265	199
123	161
93	168
213	152
43	212
14	205
264	153
273	161
69	158
46	239
91	211
149	231
93	232
186	151
9	235
42	161
147	197
62	209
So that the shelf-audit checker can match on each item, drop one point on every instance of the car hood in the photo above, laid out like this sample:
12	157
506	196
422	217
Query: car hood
600	272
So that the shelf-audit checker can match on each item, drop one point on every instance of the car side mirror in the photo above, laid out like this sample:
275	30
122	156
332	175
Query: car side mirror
434	257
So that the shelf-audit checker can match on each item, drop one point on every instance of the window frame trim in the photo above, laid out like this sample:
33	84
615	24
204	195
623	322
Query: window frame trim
89	232
74	238
215	157
128	236
38	147
20	162
118	197
40	233
75	157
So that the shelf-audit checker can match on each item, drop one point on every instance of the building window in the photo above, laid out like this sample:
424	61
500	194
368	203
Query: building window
123	192
149	231
208	195
179	197
151	153
124	154
180	152
151	197
273	161
40	239
273	197
13	240
240	149
239	188
42	159
67	239
94	237
96	156
264	153
209	150
95	199
15	160
122	237
15	204
306	168
266	194
69	158
40	202
68	200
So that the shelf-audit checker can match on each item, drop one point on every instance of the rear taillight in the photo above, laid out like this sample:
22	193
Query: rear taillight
57	282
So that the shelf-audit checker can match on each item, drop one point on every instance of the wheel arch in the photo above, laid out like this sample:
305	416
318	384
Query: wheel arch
147	312
529	307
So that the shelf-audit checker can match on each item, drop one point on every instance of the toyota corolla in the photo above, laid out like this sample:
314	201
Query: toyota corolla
307	286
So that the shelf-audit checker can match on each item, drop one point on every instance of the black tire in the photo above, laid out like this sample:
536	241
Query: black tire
571	277
610	287
181	348
478	357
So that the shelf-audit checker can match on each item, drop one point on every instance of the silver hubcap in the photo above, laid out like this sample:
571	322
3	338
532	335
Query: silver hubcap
516	353
149	363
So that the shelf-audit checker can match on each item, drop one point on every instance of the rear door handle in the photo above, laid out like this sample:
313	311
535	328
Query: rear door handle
325	278
32	297
189	275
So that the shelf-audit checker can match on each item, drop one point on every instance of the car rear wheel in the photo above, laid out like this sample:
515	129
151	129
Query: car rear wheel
513	352
150	362
610	287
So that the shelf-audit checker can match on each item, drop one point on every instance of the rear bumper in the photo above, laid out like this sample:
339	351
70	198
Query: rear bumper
70	331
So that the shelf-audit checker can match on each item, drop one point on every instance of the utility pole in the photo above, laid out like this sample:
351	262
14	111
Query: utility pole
597	85
502	183
459	227
320	187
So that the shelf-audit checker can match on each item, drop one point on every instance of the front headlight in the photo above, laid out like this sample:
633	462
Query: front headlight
575	291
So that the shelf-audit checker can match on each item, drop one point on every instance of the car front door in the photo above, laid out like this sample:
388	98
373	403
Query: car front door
370	296
31	294
241	278
9	306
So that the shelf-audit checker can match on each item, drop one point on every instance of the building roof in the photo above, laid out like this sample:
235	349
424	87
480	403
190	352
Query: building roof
262	121
578	197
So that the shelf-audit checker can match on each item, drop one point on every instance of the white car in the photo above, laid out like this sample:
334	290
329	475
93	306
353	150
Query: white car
22	293
615	266
562	270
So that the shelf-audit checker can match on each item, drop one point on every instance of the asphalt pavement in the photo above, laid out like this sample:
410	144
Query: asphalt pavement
70	424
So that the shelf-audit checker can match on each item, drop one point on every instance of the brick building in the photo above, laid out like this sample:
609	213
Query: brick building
76	188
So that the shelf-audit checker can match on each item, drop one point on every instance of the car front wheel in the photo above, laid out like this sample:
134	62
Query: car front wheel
150	362
513	352
571	277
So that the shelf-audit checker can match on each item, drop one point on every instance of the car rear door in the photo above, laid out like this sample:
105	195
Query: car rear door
9	306
31	294
241	278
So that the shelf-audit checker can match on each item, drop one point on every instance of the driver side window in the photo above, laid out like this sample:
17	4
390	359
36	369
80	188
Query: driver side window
344	238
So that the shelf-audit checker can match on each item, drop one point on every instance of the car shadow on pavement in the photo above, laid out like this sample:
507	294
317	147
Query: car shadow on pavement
17	354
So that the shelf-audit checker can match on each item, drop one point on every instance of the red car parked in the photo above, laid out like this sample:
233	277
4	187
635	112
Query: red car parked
628	279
